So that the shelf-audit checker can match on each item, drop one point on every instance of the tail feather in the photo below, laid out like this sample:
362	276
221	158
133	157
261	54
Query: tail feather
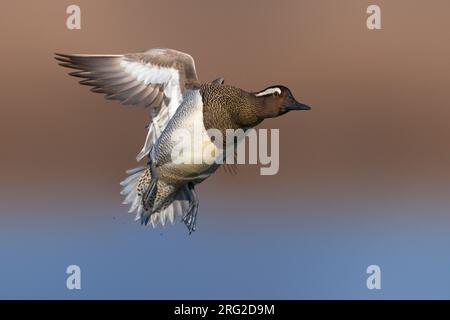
133	174
133	188
130	187
134	205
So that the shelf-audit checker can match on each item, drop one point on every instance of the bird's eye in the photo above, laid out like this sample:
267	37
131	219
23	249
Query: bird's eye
276	94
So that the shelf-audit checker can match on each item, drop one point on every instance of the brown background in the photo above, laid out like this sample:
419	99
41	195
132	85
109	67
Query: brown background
378	133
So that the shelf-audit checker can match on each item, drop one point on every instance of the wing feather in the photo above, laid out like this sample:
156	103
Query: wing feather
155	79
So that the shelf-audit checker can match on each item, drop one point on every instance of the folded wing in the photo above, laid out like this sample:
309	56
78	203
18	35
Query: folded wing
155	79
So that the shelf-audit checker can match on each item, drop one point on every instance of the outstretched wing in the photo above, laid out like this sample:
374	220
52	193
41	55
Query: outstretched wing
155	79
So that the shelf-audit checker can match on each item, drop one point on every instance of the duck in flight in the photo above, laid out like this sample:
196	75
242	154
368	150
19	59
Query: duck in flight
165	81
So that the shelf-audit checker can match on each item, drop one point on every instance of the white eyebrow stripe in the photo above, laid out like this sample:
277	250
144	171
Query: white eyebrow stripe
268	92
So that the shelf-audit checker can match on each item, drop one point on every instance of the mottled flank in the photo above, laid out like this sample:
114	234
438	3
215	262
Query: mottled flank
144	182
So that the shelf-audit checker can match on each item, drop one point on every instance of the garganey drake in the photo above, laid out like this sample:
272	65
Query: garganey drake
165	81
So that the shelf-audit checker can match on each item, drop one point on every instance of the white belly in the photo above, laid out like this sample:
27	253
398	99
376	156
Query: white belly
191	141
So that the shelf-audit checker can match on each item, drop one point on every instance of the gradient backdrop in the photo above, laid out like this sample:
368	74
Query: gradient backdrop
364	177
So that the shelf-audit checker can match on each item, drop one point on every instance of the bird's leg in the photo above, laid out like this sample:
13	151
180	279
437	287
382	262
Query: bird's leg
190	218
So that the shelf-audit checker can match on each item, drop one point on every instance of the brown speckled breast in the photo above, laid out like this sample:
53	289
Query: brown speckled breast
227	107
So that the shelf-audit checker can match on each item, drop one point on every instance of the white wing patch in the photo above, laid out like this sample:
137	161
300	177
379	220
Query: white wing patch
268	92
153	74
149	73
170	79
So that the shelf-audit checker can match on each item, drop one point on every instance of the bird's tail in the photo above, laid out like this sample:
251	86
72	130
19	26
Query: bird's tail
134	189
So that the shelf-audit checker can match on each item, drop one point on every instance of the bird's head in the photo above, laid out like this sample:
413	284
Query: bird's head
275	101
